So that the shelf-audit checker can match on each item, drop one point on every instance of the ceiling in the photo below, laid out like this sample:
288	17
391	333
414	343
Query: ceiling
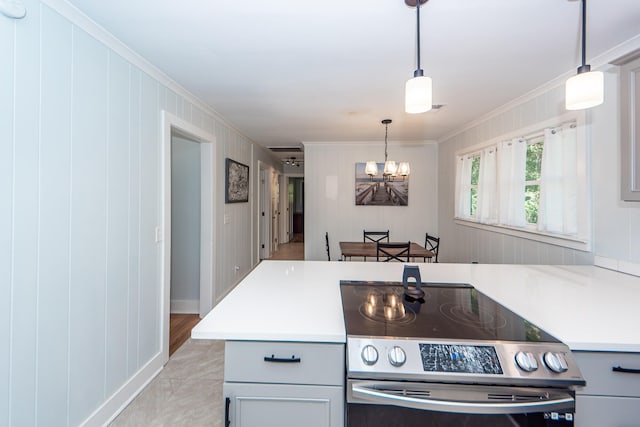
284	71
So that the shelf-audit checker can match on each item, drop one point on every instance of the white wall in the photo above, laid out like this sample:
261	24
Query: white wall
616	224
80	199
329	172
185	225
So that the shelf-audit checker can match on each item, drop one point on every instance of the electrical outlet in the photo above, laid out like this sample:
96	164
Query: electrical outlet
226	218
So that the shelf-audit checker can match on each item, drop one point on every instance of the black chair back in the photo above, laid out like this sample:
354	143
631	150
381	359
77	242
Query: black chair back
393	251
375	236
432	244
326	239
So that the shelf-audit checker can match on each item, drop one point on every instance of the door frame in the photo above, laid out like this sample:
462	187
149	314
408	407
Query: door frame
171	123
264	211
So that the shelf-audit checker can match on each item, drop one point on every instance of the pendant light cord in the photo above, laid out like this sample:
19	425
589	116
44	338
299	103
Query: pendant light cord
584	32
418	72
584	68
386	131
418	32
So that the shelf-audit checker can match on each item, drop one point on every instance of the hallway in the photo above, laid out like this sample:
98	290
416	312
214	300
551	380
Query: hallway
294	250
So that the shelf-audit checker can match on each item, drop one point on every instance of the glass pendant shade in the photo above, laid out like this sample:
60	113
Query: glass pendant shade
584	90
418	95
404	169
371	169
390	168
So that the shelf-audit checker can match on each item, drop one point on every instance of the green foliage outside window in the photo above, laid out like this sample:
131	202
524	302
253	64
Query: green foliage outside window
475	175
532	189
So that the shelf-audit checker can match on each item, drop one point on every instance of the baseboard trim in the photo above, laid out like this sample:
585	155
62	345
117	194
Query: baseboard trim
119	400
185	306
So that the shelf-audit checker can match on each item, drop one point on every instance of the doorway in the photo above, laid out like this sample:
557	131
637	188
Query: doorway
295	192
187	231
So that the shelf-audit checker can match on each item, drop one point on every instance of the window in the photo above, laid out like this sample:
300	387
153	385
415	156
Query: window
536	184
475	175
532	179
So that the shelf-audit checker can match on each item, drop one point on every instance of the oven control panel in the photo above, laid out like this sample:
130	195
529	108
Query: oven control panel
482	362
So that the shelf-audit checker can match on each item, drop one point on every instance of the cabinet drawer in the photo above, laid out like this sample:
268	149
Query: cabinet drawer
596	367
284	362
601	411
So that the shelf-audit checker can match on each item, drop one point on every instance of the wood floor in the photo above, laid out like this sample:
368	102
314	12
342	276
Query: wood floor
180	326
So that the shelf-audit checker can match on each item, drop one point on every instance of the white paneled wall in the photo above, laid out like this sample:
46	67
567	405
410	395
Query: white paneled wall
80	200
329	171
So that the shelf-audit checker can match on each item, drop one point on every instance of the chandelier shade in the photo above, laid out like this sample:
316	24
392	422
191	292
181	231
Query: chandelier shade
371	168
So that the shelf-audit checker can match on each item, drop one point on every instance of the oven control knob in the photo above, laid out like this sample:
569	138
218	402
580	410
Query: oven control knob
555	362
526	361
369	355
397	357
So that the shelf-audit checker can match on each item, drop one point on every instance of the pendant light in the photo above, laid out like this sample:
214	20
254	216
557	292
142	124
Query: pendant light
586	88
418	93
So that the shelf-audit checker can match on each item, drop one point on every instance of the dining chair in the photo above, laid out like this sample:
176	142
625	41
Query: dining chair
326	239
432	244
374	236
386	252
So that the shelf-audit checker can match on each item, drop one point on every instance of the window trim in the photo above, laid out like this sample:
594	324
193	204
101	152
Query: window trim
583	240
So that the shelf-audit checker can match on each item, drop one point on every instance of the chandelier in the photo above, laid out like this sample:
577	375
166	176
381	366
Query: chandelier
391	169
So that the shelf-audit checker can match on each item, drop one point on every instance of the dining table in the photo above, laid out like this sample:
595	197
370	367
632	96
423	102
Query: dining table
369	250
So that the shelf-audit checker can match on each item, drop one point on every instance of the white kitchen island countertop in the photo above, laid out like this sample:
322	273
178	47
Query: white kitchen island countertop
588	308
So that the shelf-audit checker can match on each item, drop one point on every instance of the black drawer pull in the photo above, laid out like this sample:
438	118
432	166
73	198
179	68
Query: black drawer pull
273	358
625	370
227	421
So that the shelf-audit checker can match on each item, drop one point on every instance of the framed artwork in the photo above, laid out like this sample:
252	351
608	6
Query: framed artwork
379	190
236	183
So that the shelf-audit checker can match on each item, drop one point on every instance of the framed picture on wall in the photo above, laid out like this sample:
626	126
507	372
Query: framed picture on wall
378	189
236	183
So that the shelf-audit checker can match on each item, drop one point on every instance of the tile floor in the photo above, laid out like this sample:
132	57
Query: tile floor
188	391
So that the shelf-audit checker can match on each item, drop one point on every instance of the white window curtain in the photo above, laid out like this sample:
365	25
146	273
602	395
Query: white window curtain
512	162
463	187
487	187
558	212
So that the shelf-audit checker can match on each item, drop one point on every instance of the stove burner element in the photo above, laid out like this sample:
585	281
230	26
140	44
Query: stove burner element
472	317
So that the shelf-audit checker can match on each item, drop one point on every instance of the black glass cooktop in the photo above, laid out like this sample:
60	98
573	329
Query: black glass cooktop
447	311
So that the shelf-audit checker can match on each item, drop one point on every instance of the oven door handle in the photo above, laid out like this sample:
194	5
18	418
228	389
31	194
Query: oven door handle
369	393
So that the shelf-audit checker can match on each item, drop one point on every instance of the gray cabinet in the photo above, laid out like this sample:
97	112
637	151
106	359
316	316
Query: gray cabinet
612	396
630	126
269	384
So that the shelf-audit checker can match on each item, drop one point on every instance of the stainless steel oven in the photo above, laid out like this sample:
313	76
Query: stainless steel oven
446	354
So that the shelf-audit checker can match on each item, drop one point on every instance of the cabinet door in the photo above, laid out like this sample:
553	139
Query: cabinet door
630	129
278	405
601	411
